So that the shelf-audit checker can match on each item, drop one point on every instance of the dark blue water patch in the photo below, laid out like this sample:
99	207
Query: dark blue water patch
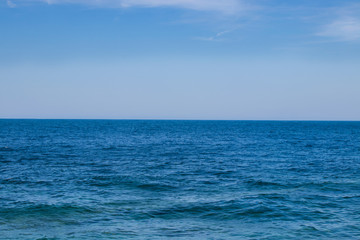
217	211
262	183
45	211
6	149
127	182
97	179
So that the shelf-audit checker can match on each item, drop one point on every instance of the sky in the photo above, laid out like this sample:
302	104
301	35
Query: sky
180	59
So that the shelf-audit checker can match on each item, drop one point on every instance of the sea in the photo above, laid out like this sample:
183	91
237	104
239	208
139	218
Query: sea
151	179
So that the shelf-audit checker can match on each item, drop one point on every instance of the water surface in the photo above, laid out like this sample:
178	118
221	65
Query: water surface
97	179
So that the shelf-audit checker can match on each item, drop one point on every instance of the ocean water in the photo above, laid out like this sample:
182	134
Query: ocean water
99	179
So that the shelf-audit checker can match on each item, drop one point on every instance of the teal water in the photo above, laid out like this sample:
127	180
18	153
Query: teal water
94	179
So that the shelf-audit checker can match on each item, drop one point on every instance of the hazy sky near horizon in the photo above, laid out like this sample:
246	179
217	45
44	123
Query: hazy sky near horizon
180	59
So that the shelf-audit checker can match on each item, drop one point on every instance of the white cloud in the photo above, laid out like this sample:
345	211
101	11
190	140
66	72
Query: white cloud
222	6
345	28
217	37
10	4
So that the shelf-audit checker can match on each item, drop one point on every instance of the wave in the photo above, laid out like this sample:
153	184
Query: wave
45	210
262	183
128	182
215	210
7	149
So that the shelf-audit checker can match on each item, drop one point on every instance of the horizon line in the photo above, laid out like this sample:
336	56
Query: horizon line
190	119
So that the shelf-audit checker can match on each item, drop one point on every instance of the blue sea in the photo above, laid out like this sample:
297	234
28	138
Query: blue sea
135	179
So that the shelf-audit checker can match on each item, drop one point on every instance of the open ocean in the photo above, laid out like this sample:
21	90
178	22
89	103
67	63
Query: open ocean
134	179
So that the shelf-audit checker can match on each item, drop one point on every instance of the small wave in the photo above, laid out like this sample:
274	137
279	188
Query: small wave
224	173
19	181
3	160
44	210
329	186
217	210
7	149
308	229
46	238
357	196
67	146
155	187
262	183
15	181
109	148
127	181
274	196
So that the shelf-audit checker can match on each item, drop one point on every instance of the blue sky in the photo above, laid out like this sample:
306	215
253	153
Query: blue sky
180	59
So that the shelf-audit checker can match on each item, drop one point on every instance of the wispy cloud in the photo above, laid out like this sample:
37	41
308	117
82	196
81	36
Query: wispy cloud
344	24
222	6
216	12
217	37
10	4
346	29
